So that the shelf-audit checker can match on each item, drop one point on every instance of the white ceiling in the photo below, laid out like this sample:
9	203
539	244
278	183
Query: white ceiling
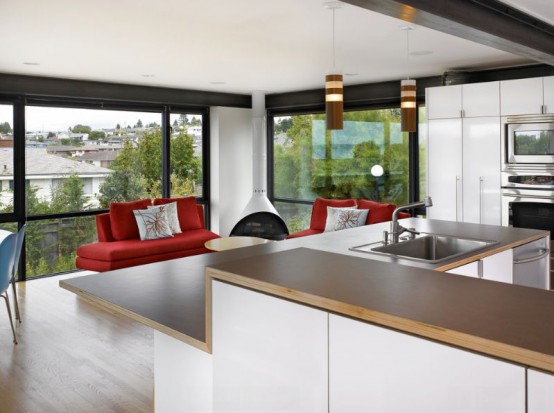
270	45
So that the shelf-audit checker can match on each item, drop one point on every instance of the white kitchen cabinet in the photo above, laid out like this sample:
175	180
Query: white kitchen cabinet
471	100
521	96
499	267
373	369
481	99
496	267
269	355
540	392
445	169
469	270
548	83
444	102
481	170
464	170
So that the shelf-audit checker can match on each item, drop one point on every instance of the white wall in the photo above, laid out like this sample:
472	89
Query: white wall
231	166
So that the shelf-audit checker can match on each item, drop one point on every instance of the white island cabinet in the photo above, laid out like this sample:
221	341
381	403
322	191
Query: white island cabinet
496	267
373	369
540	393
269	355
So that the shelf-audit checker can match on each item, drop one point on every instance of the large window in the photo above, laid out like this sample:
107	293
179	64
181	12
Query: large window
6	158
79	160
369	159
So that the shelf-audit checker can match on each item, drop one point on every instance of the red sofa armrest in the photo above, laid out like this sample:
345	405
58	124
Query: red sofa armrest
103	228
200	210
404	215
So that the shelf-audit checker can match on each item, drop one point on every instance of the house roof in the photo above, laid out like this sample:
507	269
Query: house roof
40	162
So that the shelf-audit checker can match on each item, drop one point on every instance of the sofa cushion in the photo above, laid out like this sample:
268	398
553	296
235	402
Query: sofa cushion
153	223
100	266
377	212
172	216
135	248
122	220
187	211
332	217
350	218
319	210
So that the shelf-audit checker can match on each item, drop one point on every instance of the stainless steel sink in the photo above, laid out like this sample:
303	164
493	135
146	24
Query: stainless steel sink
429	248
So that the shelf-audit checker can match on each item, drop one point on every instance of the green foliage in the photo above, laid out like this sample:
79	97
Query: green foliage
138	124
5	128
97	135
312	162
69	196
81	129
120	186
71	142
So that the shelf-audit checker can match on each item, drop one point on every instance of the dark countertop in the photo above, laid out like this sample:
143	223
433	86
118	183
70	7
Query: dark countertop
170	296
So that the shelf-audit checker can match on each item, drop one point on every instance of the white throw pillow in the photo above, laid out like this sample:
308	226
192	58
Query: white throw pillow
350	218
152	223
332	217
172	216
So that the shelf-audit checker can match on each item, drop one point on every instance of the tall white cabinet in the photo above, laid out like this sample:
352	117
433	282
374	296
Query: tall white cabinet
464	153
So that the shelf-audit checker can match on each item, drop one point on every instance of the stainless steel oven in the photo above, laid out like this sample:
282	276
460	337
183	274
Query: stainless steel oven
528	202
528	141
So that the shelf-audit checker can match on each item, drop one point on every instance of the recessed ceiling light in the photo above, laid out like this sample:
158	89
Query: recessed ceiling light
421	53
351	74
31	63
147	75
218	82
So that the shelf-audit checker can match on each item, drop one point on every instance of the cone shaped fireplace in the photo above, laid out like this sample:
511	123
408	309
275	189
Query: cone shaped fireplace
260	218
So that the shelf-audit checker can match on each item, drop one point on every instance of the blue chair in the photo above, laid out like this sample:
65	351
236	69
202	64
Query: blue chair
7	253
18	247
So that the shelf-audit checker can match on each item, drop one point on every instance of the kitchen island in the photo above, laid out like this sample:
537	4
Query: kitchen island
295	302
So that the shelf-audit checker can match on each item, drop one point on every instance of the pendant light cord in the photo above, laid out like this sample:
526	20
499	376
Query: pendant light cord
408	51
334	65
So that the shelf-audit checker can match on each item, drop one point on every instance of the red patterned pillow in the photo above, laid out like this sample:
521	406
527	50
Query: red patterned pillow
122	220
186	210
319	210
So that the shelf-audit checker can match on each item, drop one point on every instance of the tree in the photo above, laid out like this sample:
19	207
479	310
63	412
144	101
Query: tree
175	123
138	124
69	196
96	135
5	128
51	135
81	129
118	126
120	186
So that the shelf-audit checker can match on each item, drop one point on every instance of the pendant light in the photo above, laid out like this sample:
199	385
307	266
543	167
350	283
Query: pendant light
333	84
408	92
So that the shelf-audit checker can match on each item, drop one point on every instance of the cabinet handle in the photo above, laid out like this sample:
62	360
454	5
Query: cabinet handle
481	182
528	196
457	190
543	252
480	269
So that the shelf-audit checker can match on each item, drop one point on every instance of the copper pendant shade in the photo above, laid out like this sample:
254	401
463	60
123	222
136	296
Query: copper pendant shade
408	105
334	101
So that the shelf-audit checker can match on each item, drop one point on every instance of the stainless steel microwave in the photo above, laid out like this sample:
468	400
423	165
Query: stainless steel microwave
530	143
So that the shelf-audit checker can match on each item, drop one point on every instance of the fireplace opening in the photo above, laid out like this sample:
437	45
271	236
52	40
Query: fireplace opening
262	225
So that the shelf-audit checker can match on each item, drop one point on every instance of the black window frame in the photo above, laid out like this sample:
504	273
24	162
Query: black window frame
413	147
19	215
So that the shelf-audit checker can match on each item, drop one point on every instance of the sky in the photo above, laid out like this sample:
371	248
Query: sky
43	119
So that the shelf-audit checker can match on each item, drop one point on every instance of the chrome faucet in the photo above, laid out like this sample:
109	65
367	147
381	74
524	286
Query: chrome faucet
395	228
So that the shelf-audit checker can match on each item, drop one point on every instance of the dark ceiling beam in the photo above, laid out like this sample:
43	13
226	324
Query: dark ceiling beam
83	89
488	22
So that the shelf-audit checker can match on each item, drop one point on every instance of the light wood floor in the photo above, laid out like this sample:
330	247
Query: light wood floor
72	356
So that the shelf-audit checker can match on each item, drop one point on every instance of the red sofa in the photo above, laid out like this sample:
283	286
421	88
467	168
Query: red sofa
377	213
119	244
